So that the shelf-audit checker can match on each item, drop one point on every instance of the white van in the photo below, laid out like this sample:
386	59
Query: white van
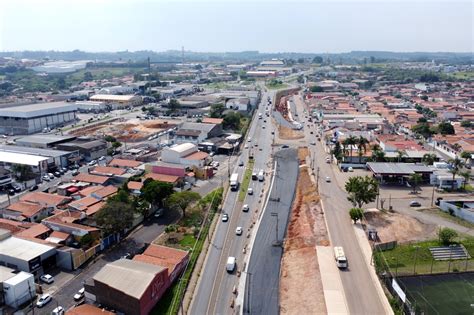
340	257
260	175
230	266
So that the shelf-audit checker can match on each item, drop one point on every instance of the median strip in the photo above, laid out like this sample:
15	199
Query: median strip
246	180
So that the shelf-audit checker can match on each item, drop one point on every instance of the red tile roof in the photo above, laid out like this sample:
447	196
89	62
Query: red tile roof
27	209
84	203
134	185
208	120
89	178
163	177
45	198
197	156
90	211
106	170
162	256
87	309
124	163
34	231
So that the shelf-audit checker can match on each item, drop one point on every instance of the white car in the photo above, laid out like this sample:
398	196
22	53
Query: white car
245	208
328	179
238	230
58	311
43	300
312	143
249	140
46	278
79	295
92	163
246	146
250	191
101	158
225	217
46	178
350	169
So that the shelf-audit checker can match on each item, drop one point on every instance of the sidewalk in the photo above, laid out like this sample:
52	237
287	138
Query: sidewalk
367	253
332	284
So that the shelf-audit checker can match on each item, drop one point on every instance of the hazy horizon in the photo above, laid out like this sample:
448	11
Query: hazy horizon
229	26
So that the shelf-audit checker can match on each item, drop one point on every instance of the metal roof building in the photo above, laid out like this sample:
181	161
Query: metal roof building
27	119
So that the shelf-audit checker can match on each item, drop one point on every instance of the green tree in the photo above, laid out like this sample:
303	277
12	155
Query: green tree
181	200
174	105
86	240
154	192
318	59
231	120
300	60
466	156
445	128
316	89
424	97
115	217
423	129
429	158
116	144
415	180
466	175
23	172
466	124
88	76
446	235
377	154
422	120
110	138
216	110
400	155
356	214
456	165
362	143
337	151
212	199
361	190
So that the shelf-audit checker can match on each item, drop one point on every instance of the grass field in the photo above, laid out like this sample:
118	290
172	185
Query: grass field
463	75
246	181
277	86
101	73
410	259
449	217
441	294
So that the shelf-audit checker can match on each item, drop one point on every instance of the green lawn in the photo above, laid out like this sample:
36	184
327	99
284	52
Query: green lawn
406	259
187	242
246	181
441	294
463	75
101	73
277	86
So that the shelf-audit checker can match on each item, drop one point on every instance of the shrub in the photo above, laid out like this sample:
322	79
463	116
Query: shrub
446	235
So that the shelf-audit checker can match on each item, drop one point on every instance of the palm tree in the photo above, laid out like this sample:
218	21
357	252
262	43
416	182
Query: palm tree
401	154
466	176
361	147
377	153
350	143
466	156
456	165
429	158
415	180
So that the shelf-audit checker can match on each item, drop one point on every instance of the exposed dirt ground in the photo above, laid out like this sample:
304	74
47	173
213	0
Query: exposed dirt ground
398	227
301	290
286	133
128	131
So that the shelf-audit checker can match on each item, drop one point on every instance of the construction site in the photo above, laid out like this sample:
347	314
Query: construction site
131	130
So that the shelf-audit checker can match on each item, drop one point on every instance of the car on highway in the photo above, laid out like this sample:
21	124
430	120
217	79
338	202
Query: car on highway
310	131
225	217
250	191
238	230
328	179
245	208
328	160
249	140
285	146
79	295
51	175
241	163
246	146
415	203
312	143
46	178
47	278
43	300
273	132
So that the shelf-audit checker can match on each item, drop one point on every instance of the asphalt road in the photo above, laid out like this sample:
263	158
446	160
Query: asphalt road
213	294
359	289
263	273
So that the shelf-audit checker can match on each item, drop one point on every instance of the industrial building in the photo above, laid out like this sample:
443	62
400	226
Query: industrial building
197	132
129	286
16	288
42	141
55	158
185	154
89	149
33	118
92	106
117	101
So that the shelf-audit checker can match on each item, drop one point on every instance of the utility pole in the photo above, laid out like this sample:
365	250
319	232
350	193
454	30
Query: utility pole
317	179
432	194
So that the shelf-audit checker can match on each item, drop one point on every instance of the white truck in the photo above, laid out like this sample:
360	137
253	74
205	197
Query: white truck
260	116
340	257
261	175
230	266
234	181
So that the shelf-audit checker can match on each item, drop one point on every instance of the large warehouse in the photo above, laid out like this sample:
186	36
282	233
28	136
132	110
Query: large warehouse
28	119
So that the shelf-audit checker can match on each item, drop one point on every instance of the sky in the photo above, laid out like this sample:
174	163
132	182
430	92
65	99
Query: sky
312	26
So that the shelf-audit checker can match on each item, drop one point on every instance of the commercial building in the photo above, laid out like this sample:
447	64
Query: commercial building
42	141
398	173
129	286
88	149
16	288
92	106
39	164
24	255
197	132
185	154
55	158
240	104
28	119
117	101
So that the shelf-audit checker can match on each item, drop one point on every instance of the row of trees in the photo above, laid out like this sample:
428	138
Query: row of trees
119	210
348	146
231	118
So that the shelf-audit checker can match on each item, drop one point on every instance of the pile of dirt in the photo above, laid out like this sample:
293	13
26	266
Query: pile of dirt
399	227
300	262
286	133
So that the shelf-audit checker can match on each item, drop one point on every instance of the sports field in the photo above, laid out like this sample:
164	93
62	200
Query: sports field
441	294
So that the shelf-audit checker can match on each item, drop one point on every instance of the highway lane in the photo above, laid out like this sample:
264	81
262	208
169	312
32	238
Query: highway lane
214	290
359	289
263	273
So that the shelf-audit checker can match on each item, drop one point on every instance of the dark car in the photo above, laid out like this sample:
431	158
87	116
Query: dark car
285	146
16	187
11	191
415	204
438	200
33	188
57	174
